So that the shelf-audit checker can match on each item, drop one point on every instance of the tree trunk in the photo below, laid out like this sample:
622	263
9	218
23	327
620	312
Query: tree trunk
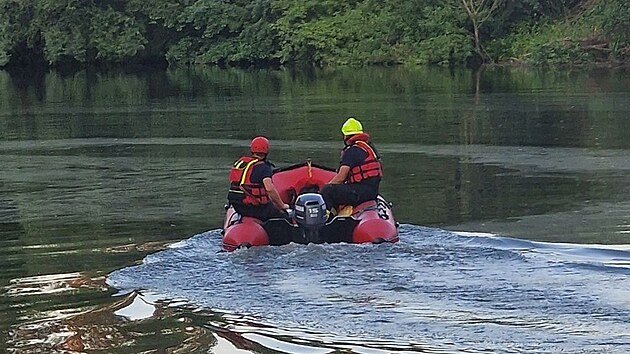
479	11
477	39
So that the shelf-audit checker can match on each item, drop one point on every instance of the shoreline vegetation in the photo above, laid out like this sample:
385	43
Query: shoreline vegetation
320	33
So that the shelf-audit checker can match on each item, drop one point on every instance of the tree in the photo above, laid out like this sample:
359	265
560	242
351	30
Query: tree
480	11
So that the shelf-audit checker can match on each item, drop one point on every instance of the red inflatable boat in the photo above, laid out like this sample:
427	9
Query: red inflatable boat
298	185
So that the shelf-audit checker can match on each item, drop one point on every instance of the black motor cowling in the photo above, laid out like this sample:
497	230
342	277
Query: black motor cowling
310	214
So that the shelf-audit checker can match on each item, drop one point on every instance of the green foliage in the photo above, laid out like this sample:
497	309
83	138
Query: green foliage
16	18
353	37
115	36
445	49
70	29
614	17
5	46
560	52
373	32
64	25
306	30
313	32
580	39
537	44
441	36
217	32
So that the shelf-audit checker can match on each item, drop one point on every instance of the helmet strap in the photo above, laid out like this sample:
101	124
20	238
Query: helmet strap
261	156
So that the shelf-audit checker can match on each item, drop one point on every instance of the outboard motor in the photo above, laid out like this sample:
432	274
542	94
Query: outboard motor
310	215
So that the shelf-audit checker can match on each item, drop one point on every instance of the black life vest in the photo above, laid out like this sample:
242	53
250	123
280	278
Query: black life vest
370	167
242	189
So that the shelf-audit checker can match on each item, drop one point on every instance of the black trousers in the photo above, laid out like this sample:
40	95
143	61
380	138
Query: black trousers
347	194
262	212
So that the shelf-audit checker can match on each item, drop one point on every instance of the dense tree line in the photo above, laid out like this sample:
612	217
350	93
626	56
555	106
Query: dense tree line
318	32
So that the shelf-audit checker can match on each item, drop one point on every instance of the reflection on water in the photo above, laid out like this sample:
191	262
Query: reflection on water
430	106
101	170
103	328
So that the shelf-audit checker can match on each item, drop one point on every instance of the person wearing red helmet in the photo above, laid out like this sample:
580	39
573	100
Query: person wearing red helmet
252	192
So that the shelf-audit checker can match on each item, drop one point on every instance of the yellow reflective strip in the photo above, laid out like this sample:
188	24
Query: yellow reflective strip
369	147
238	164
247	169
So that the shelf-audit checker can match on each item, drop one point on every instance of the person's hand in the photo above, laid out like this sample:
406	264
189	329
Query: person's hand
285	206
290	213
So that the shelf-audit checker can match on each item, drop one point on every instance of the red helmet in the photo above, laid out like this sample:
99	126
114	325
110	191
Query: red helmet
259	145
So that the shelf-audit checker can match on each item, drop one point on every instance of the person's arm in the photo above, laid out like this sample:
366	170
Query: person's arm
274	195
341	175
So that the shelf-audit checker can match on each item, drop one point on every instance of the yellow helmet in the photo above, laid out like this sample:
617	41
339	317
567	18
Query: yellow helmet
351	127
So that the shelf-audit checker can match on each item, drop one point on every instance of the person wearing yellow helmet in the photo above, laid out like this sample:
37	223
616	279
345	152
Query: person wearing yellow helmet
360	170
351	127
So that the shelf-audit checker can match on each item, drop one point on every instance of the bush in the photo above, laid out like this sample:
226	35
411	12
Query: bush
447	49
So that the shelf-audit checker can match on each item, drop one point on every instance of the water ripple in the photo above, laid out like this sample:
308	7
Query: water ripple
434	287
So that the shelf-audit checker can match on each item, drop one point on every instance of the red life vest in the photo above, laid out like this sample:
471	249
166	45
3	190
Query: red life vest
242	189
370	167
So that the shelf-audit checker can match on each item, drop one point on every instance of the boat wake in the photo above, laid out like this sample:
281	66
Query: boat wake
433	291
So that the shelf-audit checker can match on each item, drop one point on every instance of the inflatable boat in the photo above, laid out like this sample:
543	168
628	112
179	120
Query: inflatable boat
298	185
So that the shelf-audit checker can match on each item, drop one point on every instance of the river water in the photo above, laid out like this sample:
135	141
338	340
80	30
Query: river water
511	186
